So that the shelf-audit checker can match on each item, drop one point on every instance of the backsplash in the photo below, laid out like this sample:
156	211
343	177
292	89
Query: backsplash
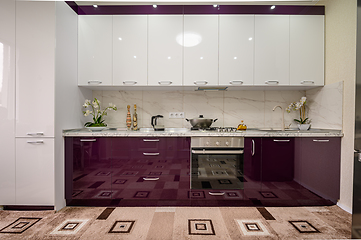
229	107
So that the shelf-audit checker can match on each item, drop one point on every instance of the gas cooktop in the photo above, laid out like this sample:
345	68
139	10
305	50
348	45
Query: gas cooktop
215	129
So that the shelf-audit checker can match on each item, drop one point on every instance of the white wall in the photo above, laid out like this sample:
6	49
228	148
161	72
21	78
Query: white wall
68	97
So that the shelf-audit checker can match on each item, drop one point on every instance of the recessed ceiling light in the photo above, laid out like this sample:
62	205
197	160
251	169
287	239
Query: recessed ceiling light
273	7
155	6
95	5
215	5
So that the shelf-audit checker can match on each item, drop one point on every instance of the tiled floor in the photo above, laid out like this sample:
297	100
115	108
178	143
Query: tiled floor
328	222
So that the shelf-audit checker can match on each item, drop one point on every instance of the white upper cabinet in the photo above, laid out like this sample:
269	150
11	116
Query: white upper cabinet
236	49
272	44
307	50
35	69
200	41
95	50
165	50
130	50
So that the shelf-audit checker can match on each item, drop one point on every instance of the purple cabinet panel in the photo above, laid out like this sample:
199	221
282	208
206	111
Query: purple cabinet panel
318	165
252	158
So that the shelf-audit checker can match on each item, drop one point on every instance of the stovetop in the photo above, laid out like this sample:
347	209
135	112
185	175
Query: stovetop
215	129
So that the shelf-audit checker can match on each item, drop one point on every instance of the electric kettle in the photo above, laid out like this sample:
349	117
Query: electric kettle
157	123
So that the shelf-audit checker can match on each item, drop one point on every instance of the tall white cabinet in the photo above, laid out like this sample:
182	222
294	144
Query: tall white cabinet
7	101
200	41
165	51
272	49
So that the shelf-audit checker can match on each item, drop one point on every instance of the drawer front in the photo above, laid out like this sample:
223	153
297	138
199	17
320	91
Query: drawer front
151	143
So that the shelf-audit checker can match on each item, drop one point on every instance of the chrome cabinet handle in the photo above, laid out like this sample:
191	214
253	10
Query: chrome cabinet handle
150	140
200	82
130	82
307	82
165	82
35	134
150	154
253	147
321	140
94	82
36	142
272	82
151	178
88	140
216	193
276	140
236	82
217	151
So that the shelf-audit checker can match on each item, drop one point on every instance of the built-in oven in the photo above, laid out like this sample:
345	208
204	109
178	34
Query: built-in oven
217	163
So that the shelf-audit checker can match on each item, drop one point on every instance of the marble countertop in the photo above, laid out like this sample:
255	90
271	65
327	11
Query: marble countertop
182	132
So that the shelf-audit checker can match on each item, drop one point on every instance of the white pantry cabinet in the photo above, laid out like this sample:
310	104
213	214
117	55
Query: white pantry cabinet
35	171
200	41
130	50
165	52
272	44
7	102
94	50
35	68
236	49
307	50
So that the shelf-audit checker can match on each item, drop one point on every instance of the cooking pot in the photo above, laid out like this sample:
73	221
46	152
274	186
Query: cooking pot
201	122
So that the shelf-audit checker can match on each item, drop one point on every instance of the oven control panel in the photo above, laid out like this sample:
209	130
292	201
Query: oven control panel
217	142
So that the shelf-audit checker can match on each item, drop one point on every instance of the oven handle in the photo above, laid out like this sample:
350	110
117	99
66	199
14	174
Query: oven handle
204	151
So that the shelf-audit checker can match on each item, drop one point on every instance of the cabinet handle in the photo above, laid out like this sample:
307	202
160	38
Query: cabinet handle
276	140
216	193
36	142
253	147
151	178
321	140
150	154
88	140
236	82
307	82
35	134
150	140
200	82
165	82
94	82
130	82
272	82
217	151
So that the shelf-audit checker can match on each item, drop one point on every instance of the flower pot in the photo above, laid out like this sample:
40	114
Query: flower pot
96	128
304	127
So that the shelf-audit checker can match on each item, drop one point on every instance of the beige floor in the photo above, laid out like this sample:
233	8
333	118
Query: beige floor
177	223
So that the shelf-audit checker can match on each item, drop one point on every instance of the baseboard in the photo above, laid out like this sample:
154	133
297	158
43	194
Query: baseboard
27	208
345	208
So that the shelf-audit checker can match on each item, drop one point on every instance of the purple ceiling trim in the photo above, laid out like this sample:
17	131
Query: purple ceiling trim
195	9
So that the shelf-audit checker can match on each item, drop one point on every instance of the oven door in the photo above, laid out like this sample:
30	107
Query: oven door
217	168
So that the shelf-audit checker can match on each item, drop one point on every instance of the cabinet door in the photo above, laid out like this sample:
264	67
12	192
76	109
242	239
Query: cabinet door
320	164
272	50
95	50
35	171
277	159
236	49
200	41
306	50
35	49
165	54
130	50
7	102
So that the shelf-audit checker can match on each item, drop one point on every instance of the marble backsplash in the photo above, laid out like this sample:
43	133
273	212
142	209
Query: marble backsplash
229	107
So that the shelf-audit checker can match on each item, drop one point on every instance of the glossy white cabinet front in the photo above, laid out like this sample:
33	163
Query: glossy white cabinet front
236	49
272	49
7	101
200	41
35	171
94	50
165	52
130	50
307	50
35	69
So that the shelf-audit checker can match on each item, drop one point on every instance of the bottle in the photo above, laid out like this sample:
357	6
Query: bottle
129	118
135	118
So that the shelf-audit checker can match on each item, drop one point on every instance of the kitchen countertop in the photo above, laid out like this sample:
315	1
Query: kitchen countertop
182	132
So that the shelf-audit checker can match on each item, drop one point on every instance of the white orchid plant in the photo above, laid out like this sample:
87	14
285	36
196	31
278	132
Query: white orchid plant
301	106
97	113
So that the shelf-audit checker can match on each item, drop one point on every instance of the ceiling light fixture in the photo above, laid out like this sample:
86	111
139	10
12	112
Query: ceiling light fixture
273	7
155	6
215	5
95	5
